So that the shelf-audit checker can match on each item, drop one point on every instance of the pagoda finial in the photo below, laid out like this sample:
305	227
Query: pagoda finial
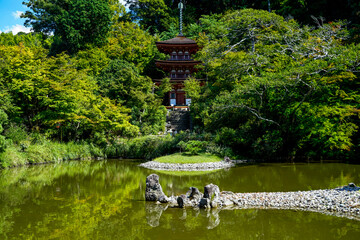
181	6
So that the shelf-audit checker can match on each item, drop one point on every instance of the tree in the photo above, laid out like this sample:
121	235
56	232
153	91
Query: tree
75	24
153	15
122	82
284	89
51	96
3	119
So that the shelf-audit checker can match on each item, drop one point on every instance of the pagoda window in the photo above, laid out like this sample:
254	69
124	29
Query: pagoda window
173	56
187	56
180	55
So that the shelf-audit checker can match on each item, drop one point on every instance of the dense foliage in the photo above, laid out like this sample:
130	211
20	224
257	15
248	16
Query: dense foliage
278	89
73	23
159	15
275	87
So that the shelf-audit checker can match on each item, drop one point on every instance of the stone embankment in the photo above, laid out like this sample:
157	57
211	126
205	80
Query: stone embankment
339	201
227	163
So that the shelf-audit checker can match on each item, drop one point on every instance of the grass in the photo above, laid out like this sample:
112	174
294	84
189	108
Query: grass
184	158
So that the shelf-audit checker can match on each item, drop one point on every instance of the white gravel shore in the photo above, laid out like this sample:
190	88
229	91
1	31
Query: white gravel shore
345	200
342	201
187	167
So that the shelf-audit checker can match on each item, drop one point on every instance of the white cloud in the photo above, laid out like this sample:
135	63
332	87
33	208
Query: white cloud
17	14
123	2
15	29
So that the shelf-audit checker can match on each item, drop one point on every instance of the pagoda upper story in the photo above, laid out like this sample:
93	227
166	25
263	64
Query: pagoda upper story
180	64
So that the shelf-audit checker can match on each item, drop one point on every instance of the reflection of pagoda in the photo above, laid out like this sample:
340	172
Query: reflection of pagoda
179	66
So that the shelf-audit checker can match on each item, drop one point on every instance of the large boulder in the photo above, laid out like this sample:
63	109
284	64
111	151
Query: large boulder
212	192
194	193
153	191
182	201
204	203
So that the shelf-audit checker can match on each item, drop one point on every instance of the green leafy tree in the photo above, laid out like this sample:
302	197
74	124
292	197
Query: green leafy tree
285	90
3	119
152	15
75	24
51	96
122	82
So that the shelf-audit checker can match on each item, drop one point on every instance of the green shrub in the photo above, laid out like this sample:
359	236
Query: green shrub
16	133
2	144
194	147
12	157
3	119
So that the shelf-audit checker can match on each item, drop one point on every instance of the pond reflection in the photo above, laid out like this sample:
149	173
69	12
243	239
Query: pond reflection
105	200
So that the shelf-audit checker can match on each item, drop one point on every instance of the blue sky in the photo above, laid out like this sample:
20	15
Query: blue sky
9	16
10	11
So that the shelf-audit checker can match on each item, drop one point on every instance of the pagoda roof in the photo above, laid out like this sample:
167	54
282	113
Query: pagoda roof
178	40
176	63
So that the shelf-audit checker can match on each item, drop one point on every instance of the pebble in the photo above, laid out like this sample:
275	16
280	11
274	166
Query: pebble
187	167
343	201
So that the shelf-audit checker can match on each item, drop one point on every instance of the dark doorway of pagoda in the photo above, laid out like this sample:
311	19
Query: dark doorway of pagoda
180	98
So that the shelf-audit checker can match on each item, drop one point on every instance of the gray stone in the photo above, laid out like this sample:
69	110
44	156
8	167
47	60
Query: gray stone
204	203
352	185
227	160
211	191
194	193
153	191
181	200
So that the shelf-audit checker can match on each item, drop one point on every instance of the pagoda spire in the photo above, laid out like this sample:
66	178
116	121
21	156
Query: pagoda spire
181	7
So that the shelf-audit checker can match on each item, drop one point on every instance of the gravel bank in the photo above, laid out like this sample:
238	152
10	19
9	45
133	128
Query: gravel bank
187	167
341	201
344	200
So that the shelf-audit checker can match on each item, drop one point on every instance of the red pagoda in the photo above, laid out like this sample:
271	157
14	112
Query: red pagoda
179	66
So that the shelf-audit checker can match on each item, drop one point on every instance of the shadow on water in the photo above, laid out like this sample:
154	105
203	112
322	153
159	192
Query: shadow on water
105	200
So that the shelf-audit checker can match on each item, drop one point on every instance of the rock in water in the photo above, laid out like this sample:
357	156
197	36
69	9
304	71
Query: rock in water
154	190
204	203
227	160
194	193
181	200
212	192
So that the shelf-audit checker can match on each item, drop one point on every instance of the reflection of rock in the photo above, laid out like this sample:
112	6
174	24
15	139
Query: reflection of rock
183	217
212	192
214	219
153	190
153	213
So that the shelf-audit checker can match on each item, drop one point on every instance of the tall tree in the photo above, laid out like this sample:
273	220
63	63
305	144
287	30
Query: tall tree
153	15
74	24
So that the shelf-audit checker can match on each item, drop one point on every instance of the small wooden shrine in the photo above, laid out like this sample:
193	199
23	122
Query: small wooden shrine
179	66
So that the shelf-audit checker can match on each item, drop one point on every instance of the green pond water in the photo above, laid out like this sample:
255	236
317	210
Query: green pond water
105	200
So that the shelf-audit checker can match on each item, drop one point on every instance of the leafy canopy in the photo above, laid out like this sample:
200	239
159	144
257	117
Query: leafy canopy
75	24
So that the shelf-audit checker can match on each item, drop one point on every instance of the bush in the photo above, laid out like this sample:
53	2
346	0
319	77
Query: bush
194	147
16	133
147	147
